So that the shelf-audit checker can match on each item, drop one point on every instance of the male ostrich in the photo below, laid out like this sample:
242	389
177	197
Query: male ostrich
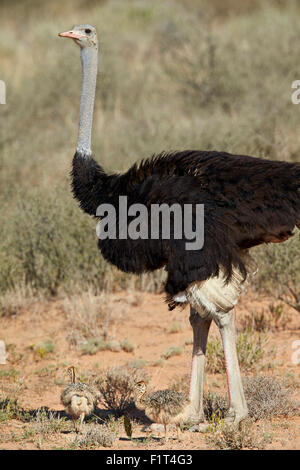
247	201
79	399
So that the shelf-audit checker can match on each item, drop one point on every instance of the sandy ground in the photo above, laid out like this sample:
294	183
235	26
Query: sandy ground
143	319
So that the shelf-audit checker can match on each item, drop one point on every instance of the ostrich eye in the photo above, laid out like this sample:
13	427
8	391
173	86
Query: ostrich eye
87	31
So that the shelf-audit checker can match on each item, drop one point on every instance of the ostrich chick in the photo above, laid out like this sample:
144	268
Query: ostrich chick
79	399
163	406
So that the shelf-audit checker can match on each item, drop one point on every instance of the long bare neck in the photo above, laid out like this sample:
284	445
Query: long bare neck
89	62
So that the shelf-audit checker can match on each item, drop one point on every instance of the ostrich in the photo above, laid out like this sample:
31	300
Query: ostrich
79	399
247	201
163	406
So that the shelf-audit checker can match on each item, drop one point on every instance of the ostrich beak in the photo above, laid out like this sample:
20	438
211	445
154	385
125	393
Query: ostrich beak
71	34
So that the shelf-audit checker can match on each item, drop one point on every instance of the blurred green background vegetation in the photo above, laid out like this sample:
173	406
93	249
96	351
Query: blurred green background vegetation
173	74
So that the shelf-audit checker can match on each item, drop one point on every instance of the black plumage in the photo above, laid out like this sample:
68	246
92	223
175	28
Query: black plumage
247	201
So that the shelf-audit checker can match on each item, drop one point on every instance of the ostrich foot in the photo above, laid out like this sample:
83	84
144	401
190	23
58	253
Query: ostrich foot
180	434
201	427
154	428
234	418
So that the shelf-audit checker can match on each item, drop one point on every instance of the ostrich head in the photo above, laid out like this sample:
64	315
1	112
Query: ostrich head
140	389
84	35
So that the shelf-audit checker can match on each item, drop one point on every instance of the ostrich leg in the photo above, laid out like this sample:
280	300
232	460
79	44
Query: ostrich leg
237	403
200	333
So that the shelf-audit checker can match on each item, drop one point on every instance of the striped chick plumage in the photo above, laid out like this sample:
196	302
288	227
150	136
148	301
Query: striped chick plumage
79	399
163	406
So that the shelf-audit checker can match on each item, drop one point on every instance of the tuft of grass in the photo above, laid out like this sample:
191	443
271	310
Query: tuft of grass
127	345
214	405
138	363
96	436
48	422
44	348
116	386
11	373
225	436
10	409
15	301
89	315
175	328
250	349
159	362
215	362
94	345
172	351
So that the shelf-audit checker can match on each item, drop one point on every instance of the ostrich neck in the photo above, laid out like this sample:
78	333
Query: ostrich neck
89	62
141	400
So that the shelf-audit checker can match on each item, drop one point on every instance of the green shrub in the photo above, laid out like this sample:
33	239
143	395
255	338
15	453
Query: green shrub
250	350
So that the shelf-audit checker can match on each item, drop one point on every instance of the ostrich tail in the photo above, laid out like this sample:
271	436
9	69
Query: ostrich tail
88	182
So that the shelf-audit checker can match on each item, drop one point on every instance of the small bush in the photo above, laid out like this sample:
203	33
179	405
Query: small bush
225	436
94	345
279	273
10	409
95	436
48	422
116	386
250	348
127	346
214	405
267	398
44	348
138	363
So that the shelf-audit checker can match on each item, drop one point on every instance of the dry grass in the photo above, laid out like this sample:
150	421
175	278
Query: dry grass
214	405
10	409
250	349
280	276
172	351
116	386
275	317
127	345
89	315
268	398
48	422
223	436
102	435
